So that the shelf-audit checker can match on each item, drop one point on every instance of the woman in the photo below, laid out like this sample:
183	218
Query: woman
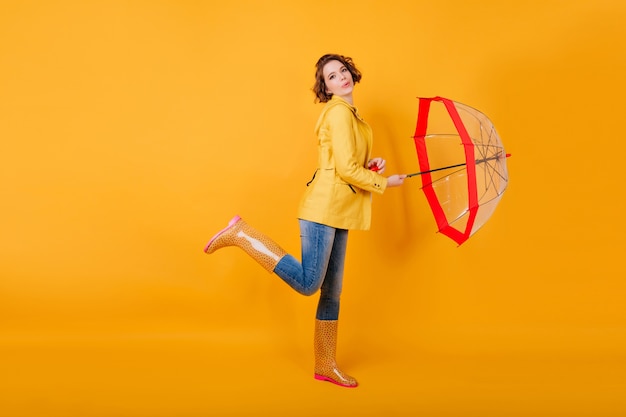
337	199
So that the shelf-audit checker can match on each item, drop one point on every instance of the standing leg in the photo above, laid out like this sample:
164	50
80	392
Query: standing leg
326	323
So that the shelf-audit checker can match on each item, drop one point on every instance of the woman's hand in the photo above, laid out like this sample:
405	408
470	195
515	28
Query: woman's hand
395	180
377	164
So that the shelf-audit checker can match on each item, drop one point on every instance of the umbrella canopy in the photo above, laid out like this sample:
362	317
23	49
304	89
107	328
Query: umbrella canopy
462	165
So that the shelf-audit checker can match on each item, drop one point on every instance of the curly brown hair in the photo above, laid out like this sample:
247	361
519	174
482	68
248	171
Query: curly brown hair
319	88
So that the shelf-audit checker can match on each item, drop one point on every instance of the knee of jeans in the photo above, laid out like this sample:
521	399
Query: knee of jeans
309	290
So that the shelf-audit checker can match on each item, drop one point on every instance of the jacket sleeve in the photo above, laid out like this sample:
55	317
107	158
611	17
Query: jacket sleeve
344	146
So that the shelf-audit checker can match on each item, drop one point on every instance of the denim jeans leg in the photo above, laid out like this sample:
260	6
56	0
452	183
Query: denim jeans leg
306	277
330	294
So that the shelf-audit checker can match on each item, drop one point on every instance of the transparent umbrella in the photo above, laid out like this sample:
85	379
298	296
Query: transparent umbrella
469	175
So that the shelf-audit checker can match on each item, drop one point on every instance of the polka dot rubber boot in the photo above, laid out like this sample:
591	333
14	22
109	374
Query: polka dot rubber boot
258	246
325	346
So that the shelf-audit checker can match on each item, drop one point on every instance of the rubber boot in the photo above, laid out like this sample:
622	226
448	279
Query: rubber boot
325	347
260	247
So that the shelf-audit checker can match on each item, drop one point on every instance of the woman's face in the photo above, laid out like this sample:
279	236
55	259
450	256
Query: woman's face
338	80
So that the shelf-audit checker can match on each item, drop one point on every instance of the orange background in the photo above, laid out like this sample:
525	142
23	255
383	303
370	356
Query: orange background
133	130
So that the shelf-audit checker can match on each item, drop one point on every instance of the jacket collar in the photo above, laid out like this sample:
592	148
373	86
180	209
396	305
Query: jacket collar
336	100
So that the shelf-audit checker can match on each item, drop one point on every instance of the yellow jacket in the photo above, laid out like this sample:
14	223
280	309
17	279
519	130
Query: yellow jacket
340	193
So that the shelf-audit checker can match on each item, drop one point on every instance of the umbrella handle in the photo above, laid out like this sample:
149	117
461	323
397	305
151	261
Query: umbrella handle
478	161
435	170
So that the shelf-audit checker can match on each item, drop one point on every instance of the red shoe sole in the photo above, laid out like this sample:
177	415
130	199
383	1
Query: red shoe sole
325	378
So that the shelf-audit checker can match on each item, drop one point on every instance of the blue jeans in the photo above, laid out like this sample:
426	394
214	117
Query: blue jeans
323	256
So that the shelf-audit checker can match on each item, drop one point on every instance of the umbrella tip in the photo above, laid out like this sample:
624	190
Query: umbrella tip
508	155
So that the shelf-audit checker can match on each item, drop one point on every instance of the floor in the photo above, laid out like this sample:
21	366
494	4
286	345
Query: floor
253	374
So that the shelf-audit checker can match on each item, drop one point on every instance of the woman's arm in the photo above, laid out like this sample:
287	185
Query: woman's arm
348	162
344	147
